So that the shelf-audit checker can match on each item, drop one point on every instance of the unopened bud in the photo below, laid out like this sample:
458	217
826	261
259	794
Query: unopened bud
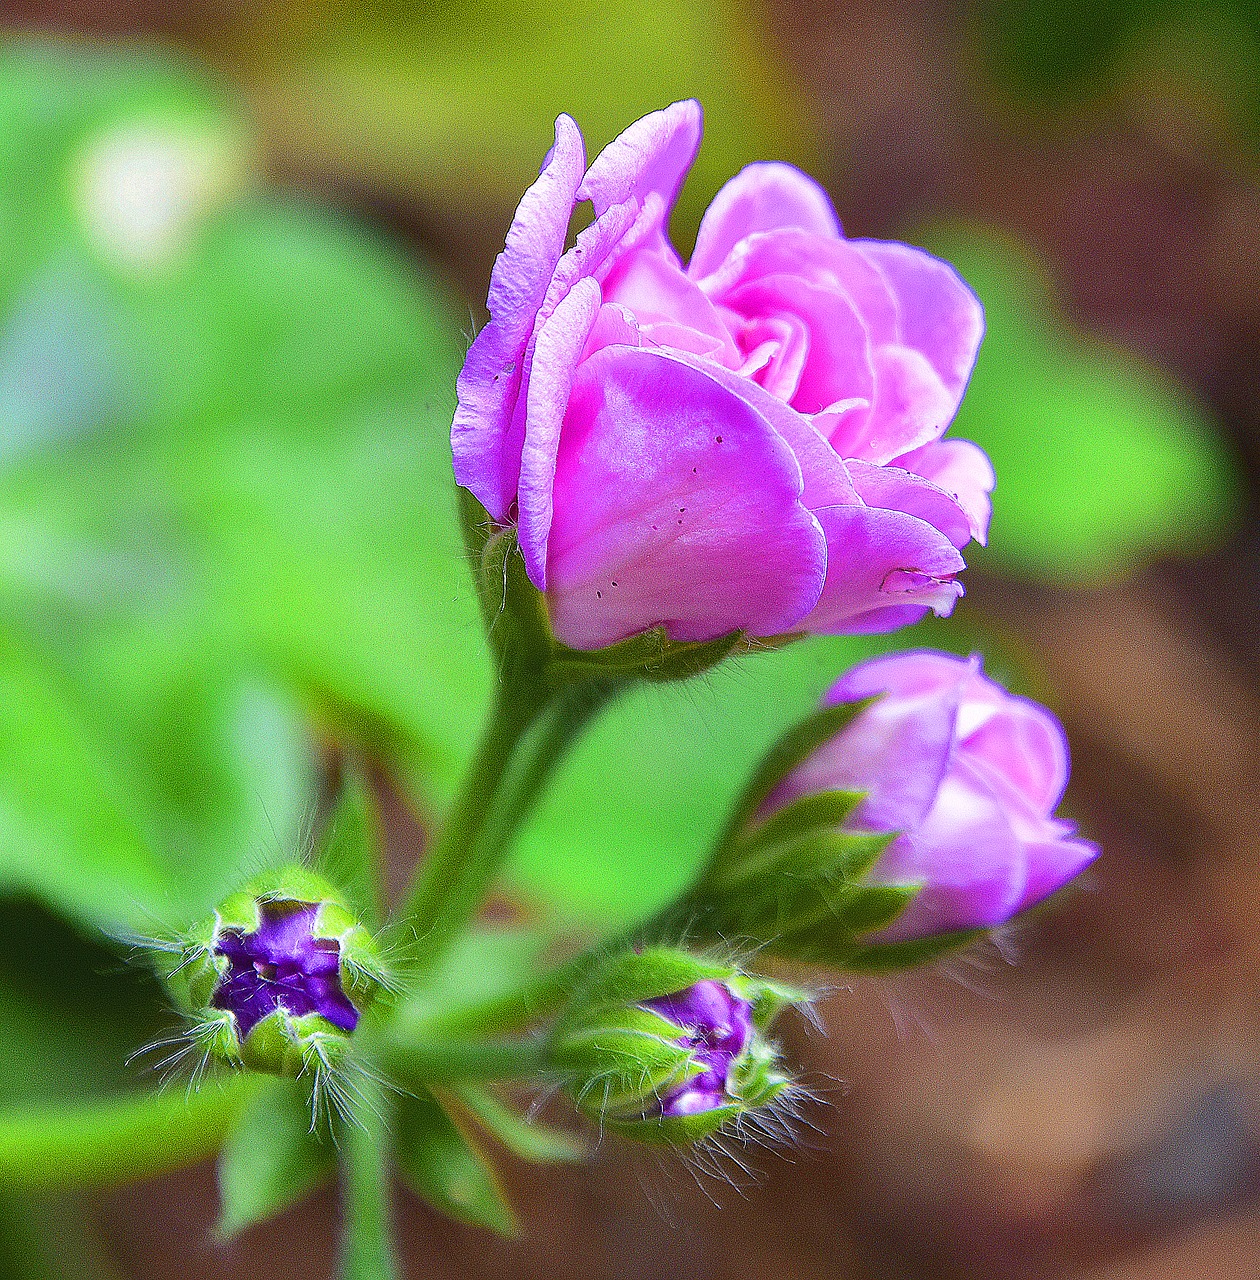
280	975
667	1048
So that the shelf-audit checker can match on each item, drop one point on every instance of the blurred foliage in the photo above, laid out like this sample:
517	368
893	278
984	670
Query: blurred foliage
1102	462
1060	56
444	101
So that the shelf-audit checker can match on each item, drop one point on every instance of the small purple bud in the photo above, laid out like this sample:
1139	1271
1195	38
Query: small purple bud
282	965
719	1027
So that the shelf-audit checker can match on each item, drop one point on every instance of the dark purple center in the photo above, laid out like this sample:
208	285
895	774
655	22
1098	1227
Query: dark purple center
718	1027
281	966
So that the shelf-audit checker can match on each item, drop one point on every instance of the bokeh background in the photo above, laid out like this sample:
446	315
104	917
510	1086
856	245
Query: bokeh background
241	250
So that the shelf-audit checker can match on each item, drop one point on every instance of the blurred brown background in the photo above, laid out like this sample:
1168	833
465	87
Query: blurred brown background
1084	1100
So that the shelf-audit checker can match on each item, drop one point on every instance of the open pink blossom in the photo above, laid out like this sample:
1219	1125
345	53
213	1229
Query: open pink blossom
968	774
752	441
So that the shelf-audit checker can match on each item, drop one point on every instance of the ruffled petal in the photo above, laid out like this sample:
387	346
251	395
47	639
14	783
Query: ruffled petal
653	154
676	502
939	314
658	291
761	197
829	264
964	471
895	489
877	559
910	408
486	451
838	365
559	348
825	476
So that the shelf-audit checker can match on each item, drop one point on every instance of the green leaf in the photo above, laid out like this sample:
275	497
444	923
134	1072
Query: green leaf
1103	463
441	1164
525	1138
368	1251
68	831
271	1159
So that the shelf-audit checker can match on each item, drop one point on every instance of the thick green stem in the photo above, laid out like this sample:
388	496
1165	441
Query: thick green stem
367	1248
526	738
429	1062
115	1140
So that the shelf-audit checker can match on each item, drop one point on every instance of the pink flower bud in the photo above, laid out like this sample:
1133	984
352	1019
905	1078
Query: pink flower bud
968	774
749	442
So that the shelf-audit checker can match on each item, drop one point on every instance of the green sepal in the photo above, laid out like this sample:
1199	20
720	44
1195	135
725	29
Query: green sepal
526	1139
888	957
651	655
519	628
631	977
792	749
442	1164
272	1158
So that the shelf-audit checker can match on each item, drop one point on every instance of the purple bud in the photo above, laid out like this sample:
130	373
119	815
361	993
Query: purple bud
967	774
718	1027
282	965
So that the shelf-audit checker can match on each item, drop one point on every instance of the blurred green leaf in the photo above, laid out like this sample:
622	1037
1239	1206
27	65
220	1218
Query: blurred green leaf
443	1167
458	99
1103	463
349	853
271	1159
68	831
524	1137
1065	55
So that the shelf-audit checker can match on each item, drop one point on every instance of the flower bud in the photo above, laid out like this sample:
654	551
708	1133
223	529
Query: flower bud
962	777
665	1048
278	977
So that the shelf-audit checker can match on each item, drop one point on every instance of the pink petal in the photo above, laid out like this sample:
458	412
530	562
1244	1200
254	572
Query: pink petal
1052	863
486	450
676	502
971	863
879	558
657	290
909	673
895	489
939	314
825	476
897	751
910	408
653	154
559	348
963	470
761	197
833	265
615	326
1020	745
838	364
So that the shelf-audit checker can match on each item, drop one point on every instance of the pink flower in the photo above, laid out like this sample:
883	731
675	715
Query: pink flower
967	773
749	442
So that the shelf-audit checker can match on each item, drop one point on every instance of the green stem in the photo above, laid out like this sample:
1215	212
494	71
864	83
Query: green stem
444	1061
367	1249
116	1140
526	738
